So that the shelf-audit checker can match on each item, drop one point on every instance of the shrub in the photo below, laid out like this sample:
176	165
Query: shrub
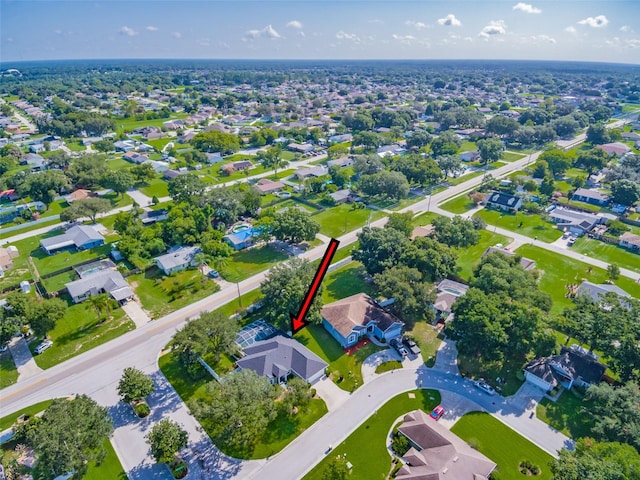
400	445
142	410
528	468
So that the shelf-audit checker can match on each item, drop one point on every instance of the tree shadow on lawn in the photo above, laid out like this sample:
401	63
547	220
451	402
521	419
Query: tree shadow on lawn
329	347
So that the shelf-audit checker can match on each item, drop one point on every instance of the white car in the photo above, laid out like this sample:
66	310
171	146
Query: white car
43	346
482	385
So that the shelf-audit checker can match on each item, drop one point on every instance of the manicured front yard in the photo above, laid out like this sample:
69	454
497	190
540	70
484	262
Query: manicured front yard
9	420
280	432
161	294
565	415
608	253
459	205
533	226
388	366
428	339
318	340
80	330
559	271
8	371
374	461
50	263
511	156
335	222
344	282
502	445
469	257
245	263
156	187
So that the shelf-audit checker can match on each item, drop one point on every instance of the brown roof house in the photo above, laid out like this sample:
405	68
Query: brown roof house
264	186
631	241
6	258
438	454
350	319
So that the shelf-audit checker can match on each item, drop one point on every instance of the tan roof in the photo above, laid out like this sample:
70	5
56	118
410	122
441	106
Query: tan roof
631	238
438	454
264	185
422	231
354	311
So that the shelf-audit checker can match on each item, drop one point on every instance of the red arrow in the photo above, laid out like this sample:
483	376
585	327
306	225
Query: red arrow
297	321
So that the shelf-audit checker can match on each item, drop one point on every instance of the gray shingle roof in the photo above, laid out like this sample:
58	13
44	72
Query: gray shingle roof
111	281
177	258
77	236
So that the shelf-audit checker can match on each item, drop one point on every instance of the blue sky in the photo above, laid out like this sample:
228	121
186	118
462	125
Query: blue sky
605	30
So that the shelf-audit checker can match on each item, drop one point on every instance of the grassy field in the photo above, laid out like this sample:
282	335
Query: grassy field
428	339
27	228
319	341
469	257
511	156
344	282
608	253
129	124
155	188
161	294
80	330
245	263
465	177
50	263
8	371
502	445
280	432
565	415
558	271
388	366
459	205
339	220
530	225
374	462
109	468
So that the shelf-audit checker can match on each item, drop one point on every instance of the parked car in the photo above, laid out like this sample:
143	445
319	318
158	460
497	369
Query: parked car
43	346
397	345
571	241
213	274
437	413
411	345
485	387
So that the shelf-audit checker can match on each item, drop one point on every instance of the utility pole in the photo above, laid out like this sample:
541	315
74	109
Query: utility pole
239	297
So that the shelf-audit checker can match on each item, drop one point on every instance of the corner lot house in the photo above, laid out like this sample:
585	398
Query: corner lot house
593	197
504	201
575	222
280	357
350	319
574	366
178	259
80	237
436	453
631	241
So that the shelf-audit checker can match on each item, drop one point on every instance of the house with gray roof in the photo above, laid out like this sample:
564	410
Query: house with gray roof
308	172
631	241
340	162
80	237
178	259
594	197
504	201
280	357
596	291
98	282
575	222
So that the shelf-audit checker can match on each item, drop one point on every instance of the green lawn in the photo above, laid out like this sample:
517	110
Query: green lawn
608	253
27	228
532	225
109	468
467	146
428	339
50	263
565	415
459	205
129	124
374	461
81	330
318	340
8	371
341	219
469	257
245	263
388	366
159	143
280	432
465	177
118	163
344	282
9	420
161	294
511	156
156	188
424	219
57	282
502	445
558	271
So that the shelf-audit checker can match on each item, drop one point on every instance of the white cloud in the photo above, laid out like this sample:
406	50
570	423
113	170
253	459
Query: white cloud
406	39
128	31
495	27
151	28
449	21
295	24
526	8
418	25
595	22
176	34
543	39
626	29
341	35
633	43
266	32
570	29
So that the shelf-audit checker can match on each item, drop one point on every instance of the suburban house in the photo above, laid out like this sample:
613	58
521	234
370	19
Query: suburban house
214	157
35	161
390	150
171	174
597	291
447	293
80	237
154	216
264	186
158	165
317	171
9	194
124	145
345	137
350	319
593	197
97	282
630	240
135	157
178	259
7	214
340	162
240	239
6	258
300	147
503	201
574	366
469	156
79	194
615	149
526	263
230	168
438	454
280	357
575	222
344	196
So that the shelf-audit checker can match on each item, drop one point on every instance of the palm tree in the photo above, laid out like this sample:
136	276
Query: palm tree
99	302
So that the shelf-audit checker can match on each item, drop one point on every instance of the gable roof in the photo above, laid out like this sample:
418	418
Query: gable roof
630	238
589	193
264	185
503	199
439	454
177	258
595	291
573	362
277	356
76	236
355	311
111	281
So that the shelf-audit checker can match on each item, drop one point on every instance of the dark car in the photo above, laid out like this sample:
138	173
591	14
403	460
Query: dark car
411	345
213	274
398	346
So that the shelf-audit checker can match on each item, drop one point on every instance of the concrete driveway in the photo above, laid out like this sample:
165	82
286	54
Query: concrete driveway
135	312
23	359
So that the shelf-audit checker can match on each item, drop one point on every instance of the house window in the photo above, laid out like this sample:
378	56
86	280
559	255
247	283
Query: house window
352	338
370	328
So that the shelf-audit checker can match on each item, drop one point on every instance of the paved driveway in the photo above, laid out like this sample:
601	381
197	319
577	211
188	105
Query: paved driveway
23	359
135	312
